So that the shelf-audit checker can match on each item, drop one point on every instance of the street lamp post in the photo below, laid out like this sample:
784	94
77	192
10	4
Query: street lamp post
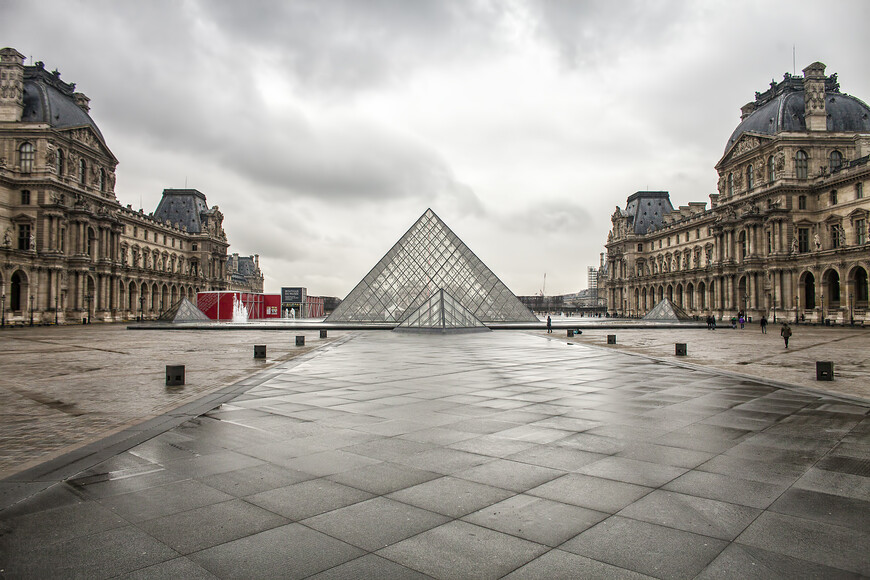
56	304
31	310
141	308
88	307
3	315
795	309
851	313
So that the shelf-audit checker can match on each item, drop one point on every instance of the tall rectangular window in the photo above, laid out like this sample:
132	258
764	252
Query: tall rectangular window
803	240
26	155
833	197
859	190
24	236
860	232
802	202
835	236
25	197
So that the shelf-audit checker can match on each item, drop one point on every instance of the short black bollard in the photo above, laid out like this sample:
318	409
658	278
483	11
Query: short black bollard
680	349
611	339
174	375
300	340
824	371
322	334
570	333
259	351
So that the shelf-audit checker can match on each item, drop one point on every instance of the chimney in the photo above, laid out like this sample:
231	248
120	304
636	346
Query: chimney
257	260
82	101
11	85
747	110
814	97
601	260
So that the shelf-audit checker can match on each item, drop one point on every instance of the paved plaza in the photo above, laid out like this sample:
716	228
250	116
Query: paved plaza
484	455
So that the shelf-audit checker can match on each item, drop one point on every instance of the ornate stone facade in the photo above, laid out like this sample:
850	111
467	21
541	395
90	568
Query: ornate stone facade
69	250
787	231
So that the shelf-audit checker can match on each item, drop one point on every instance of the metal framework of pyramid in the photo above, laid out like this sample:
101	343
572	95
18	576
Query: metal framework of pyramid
427	259
183	311
667	310
441	313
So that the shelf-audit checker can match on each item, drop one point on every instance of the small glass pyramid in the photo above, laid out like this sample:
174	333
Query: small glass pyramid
667	310
427	259
441	312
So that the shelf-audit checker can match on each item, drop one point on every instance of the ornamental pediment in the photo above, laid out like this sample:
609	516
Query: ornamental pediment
88	137
747	143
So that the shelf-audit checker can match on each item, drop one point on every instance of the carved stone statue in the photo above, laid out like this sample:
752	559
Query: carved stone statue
817	241
7	237
794	245
32	242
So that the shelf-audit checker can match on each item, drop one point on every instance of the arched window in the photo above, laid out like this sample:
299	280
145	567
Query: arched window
800	164
25	157
730	184
60	162
771	169
83	169
836	160
16	291
750	181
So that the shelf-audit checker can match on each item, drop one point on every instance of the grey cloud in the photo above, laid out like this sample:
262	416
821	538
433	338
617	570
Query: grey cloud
345	45
588	32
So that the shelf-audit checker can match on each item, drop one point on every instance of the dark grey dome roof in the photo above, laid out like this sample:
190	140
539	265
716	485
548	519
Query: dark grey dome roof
46	103
785	112
182	207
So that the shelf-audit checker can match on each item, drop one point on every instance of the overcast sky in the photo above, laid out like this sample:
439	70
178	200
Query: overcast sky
324	129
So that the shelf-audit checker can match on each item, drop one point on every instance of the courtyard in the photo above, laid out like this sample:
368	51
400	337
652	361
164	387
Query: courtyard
484	455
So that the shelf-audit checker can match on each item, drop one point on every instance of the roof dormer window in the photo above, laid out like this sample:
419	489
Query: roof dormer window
836	161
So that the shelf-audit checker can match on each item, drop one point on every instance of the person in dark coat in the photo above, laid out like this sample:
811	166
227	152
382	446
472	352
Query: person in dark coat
763	324
785	333
549	325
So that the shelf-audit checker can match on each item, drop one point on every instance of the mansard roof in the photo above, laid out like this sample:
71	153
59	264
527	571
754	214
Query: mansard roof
648	208
781	109
47	99
182	207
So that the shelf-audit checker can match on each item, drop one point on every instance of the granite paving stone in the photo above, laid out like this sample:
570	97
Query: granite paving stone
463	549
291	551
536	519
647	548
376	523
826	544
463	456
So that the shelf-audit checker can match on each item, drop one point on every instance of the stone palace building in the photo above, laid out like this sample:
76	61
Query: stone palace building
69	251
787	231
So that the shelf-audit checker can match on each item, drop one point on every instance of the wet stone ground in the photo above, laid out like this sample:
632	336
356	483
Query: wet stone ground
491	455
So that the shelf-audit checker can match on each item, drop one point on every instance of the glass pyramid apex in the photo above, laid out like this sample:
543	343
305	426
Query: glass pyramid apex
429	258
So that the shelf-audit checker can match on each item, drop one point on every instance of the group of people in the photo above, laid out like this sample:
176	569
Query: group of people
740	319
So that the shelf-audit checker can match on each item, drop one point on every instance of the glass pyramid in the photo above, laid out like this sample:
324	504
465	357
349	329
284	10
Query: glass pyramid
441	312
667	310
427	259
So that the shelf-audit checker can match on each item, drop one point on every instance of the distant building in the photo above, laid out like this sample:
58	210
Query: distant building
244	273
70	251
787	230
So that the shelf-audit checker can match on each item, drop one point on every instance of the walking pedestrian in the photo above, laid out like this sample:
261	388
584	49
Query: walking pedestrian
549	325
763	324
785	333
